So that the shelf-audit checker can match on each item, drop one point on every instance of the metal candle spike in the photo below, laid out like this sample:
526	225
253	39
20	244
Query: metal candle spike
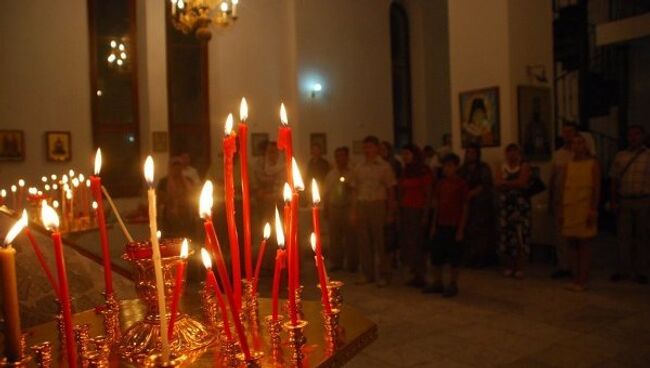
297	340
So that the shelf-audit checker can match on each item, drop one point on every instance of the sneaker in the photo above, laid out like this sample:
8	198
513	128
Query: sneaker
435	288
417	282
451	291
561	274
641	279
617	277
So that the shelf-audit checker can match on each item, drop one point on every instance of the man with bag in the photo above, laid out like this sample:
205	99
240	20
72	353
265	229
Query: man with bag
630	176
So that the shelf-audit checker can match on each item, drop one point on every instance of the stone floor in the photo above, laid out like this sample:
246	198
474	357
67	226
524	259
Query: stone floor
499	322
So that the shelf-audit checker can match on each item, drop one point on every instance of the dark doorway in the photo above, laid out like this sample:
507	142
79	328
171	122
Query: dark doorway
401	62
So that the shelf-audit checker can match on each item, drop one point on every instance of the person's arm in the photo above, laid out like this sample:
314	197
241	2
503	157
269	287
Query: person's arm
595	195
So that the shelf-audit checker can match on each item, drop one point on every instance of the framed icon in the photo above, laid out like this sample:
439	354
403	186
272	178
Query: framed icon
58	146
12	145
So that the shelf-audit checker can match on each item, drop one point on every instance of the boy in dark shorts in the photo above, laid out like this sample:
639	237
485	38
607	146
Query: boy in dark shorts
448	226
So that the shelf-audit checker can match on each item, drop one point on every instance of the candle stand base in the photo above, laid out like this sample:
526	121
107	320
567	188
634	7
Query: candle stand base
297	340
155	361
22	363
254	362
42	354
274	329
82	339
209	307
332	329
229	349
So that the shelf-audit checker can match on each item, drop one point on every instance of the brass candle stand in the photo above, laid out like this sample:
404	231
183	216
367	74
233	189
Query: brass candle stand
254	362
110	312
24	357
334	293
229	348
249	310
274	329
155	360
82	338
209	307
297	340
98	356
42	354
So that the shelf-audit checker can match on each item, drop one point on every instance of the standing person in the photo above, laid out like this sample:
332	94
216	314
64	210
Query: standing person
561	157
480	231
414	192
630	175
448	226
514	211
337	198
374	197
579	215
189	171
391	240
268	177
445	149
176	196
318	166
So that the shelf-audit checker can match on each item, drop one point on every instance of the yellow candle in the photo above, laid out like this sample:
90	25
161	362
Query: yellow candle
9	287
157	265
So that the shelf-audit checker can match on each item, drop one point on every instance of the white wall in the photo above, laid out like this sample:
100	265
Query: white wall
44	82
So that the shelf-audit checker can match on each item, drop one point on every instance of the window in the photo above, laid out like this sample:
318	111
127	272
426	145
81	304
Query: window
113	79
400	52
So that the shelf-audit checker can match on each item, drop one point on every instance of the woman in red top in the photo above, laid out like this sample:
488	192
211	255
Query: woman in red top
414	190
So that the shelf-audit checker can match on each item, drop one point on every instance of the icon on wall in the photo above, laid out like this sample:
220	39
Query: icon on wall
479	114
535	122
58	146
12	145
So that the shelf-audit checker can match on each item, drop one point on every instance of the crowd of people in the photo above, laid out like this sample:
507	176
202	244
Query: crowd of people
391	211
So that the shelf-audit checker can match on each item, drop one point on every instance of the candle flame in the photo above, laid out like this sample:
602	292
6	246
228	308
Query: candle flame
279	231
229	122
47	187
55	203
283	115
40	193
75	182
14	231
158	234
206	200
49	217
148	170
24	218
184	249
55	186
88	183
94	205
315	193
298	184
21	183
82	178
64	179
286	192
71	173
205	256
68	194
98	161
44	179
3	193
267	231
342	179
53	176
243	109
14	188
312	241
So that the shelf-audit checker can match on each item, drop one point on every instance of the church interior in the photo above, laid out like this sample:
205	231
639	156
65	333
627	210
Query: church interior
325	183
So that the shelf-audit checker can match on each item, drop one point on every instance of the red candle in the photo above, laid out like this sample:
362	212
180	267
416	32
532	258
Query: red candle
287	195
242	134
51	222
322	277
211	282
279	264
260	257
285	142
229	149
315	216
295	199
39	254
96	187
205	209
178	287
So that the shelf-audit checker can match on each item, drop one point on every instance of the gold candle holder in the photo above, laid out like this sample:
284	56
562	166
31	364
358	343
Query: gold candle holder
229	350
287	307
334	292
254	362
249	312
332	329
297	340
43	354
209	307
274	329
82	338
155	360
24	358
111	313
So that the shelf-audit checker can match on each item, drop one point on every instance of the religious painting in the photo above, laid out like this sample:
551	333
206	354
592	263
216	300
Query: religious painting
320	140
58	146
535	122
480	120
258	142
160	142
12	145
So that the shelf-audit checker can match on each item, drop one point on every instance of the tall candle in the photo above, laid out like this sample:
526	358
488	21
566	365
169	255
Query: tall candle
51	222
299	186
11	309
242	134
260	256
21	193
3	197
287	195
279	264
157	263
211	283
14	203
315	216
322	277
39	254
178	287
96	188
229	149
285	142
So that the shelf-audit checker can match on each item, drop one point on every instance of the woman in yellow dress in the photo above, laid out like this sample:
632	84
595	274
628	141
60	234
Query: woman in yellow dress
579	212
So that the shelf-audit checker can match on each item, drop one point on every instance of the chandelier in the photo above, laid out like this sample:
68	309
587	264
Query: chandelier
197	15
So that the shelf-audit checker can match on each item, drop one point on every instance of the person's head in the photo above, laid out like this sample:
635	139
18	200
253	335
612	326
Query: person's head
411	154
342	157
450	164
185	159
446	139
569	130
271	151
428	151
316	151
386	150
513	153
635	136
472	153
579	146
371	147
477	112
176	166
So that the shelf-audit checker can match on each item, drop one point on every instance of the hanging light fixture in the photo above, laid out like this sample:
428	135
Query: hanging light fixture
197	15
117	56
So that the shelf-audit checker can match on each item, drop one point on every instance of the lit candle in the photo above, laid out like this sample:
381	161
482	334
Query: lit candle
242	135
39	254
51	222
315	216
279	264
178	286
3	196
229	149
260	256
96	188
298	186
157	264
211	283
11	308
14	200
285	142
21	193
205	211
322	277
287	194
